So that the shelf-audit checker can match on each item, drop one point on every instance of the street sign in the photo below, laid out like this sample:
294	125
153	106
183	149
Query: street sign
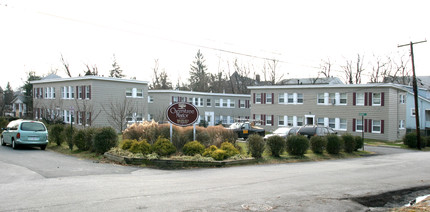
182	114
362	114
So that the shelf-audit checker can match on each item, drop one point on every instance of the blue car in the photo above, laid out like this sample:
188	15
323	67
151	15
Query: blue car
25	132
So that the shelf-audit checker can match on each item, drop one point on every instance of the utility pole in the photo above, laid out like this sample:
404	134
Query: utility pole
414	87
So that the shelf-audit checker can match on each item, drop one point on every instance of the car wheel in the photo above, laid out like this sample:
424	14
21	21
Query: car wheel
2	142
43	147
14	145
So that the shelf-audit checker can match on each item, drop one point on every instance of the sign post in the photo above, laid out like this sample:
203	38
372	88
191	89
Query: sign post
182	114
362	130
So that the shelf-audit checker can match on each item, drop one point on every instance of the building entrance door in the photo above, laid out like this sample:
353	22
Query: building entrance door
210	118
309	119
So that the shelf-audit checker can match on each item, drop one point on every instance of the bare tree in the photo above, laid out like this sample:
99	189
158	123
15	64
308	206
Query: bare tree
66	66
352	76
91	71
118	111
325	67
275	76
381	69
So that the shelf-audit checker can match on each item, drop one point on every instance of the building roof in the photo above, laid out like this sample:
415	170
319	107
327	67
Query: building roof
198	93
19	99
89	77
51	76
311	81
373	85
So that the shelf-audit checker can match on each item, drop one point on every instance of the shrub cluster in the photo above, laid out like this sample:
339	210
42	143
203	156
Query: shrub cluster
193	148
276	145
297	145
105	139
349	143
358	142
135	146
334	144
318	144
411	141
227	150
55	133
213	135
68	134
163	147
255	145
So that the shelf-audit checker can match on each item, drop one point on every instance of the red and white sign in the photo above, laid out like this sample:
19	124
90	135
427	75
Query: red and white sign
182	114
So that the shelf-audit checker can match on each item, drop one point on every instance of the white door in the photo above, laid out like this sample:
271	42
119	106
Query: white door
210	118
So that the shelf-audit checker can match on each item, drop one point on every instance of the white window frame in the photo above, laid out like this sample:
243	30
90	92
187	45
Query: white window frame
139	93
343	125
376	125
224	103
356	125
332	123
290	121
150	99
373	99
242	104
320	121
269	118
268	97
345	95
231	104
281	98
320	96
217	103
80	92
413	112
258	98
402	124
281	121
208	103
87	92
298	97
129	92
359	96
402	99
300	119
290	97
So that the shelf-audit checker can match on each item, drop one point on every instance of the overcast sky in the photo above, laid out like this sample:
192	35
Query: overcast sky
34	34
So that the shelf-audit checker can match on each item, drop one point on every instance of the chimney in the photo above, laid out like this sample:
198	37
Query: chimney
257	78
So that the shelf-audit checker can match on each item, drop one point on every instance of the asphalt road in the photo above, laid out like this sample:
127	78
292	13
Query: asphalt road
31	181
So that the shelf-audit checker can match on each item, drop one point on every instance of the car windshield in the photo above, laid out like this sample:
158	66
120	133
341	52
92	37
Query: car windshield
282	130
32	126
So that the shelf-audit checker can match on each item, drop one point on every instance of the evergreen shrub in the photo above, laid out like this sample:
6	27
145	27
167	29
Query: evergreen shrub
219	154
410	140
318	144
334	144
68	134
255	145
163	147
80	140
349	143
297	145
230	149
276	145
140	147
193	148
55	134
358	142
105	139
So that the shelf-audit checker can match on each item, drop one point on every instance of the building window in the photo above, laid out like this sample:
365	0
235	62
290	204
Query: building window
376	99
268	98
281	121
129	92
258	98
66	90
72	92
87	92
208	103
320	121
79	92
269	120
376	126
281	98
290	121
402	124
402	99
299	121
224	103
150	99
290	98
53	92
46	93
359	99
332	123
320	98
343	98
217	104
299	98
224	120
358	125
332	98
139	117
80	118
201	102
257	119
232	103
88	118
412	111
139	93
150	117
242	104
342	124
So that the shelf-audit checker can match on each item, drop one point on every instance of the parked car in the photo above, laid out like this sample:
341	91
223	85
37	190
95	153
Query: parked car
282	131
243	130
25	132
310	131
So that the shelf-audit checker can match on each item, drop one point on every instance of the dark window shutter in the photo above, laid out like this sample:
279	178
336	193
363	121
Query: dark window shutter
77	92
382	126
273	100
273	117
382	99
90	92
365	99
41	93
238	105
83	119
253	117
365	125
264	119
370	99
370	125
254	99
89	119
354	100
353	125
263	96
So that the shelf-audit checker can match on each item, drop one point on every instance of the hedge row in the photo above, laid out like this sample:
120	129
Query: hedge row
411	141
298	145
98	140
